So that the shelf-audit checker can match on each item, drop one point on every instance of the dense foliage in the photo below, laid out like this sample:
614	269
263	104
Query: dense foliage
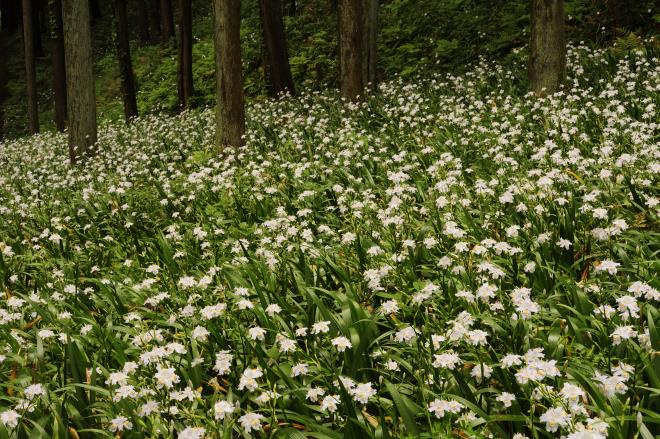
415	36
449	257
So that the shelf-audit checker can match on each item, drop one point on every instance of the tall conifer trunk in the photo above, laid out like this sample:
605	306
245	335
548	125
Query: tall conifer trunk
30	68
230	110
57	53
81	99
276	48
351	48
547	48
166	19
184	70
124	58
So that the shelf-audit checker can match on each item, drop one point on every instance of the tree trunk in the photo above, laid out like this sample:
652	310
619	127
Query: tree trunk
547	49
166	19
351	48
57	53
230	107
124	58
10	15
30	69
36	30
81	100
143	21
276	48
184	71
154	21
371	25
3	77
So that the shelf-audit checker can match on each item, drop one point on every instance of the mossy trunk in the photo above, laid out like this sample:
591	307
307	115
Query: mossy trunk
351	48
547	49
124	58
81	99
230	106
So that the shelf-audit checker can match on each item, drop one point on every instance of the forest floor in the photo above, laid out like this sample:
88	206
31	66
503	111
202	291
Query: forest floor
451	257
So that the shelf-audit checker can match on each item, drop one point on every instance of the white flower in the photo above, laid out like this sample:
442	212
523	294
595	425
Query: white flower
362	392
223	361
329	403
257	333
120	423
166	377
554	418
299	369
273	309
313	393
10	418
571	392
200	333
405	335
506	398
251	421
610	266
249	379
623	333
192	433
390	307
448	360
320	327
223	409
440	406
341	343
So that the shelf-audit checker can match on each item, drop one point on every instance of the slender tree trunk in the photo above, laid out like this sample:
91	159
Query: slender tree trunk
30	68
351	48
371	20
166	19
143	21
3	78
184	72
124	58
81	100
36	30
276	47
57	53
547	49
154	21
230	106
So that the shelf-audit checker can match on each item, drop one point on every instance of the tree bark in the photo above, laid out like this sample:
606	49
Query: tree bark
351	48
30	68
10	15
276	47
184	71
547	49
3	77
81	99
166	19
36	29
230	106
57	53
143	21
124	58
371	25
154	21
